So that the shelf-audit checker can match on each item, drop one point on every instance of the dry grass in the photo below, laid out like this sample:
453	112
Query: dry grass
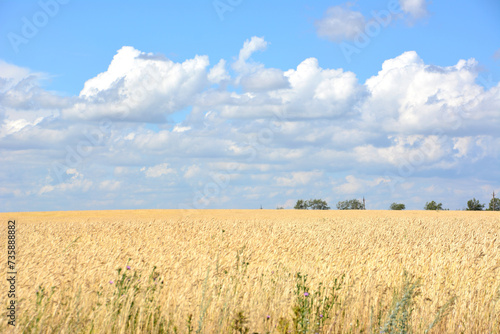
215	263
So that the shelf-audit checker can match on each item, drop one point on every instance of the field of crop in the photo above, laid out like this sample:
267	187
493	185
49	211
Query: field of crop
246	271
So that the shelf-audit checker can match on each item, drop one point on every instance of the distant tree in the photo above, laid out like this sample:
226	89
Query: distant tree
313	204
474	205
398	206
301	205
352	204
494	205
280	208
317	204
433	206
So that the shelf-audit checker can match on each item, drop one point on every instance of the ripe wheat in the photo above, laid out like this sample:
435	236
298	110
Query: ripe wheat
225	271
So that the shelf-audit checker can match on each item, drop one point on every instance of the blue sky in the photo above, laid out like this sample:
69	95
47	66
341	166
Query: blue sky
237	104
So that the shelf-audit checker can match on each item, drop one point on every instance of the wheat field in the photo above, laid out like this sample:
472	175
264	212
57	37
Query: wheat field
235	271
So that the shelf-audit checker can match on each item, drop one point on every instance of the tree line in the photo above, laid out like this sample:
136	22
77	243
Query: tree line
355	204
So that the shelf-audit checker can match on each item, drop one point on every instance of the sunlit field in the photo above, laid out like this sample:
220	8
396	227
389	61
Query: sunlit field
264	271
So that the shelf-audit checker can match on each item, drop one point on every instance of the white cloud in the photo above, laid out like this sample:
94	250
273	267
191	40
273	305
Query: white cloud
317	92
158	170
76	183
11	126
11	75
409	96
308	91
475	148
264	80
46	189
463	145
414	150
299	179
355	185
140	86
24	104
340	23
218	73
352	186
416	8
281	134
249	47
192	171
253	76
130	136
109	185
179	128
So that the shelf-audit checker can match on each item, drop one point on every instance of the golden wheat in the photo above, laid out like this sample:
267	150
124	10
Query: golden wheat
214	263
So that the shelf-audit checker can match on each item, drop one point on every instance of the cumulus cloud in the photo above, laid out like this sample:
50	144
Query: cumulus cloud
322	92
410	96
218	73
283	134
308	91
249	47
140	86
23	103
264	80
254	76
11	75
